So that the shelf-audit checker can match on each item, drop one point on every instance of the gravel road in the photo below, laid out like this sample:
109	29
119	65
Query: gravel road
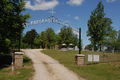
47	68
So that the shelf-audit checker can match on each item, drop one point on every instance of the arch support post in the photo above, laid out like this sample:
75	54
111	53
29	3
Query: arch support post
79	40
19	35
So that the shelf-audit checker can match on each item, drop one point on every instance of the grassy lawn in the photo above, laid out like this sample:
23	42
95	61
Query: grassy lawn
106	71
6	73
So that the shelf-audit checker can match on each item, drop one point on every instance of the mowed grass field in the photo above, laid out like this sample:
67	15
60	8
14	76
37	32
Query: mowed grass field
101	71
6	73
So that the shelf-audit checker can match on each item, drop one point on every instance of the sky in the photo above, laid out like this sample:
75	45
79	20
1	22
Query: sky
73	12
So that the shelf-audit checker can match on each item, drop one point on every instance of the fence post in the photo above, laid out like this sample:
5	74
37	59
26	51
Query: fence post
103	56
13	60
84	58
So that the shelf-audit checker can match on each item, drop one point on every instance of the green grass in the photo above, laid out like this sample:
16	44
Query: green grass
108	71
18	74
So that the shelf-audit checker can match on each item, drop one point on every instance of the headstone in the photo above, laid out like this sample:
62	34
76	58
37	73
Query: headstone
76	47
51	47
63	47
46	46
40	47
71	47
56	46
109	49
92	48
86	48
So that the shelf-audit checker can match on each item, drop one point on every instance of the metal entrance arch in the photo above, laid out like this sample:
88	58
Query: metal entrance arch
51	19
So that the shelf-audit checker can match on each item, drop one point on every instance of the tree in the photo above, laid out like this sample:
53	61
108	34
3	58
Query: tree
118	41
29	37
10	19
50	34
43	39
37	40
67	36
112	39
99	26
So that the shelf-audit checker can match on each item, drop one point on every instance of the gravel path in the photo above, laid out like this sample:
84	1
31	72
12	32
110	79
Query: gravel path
47	68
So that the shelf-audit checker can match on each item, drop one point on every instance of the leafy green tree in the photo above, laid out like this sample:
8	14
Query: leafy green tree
99	26
29	37
67	36
43	39
112	39
51	36
118	41
10	19
37	41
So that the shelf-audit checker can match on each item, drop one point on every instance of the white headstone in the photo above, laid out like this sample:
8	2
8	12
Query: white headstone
76	48
92	48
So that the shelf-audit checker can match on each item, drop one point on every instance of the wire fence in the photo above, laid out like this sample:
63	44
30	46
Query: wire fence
101	57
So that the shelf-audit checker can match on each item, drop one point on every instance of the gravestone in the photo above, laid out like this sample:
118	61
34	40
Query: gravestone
63	47
92	48
86	48
109	49
56	46
71	47
51	47
46	46
40	47
76	47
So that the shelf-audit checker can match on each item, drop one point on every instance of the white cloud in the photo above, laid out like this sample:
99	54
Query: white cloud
58	31
42	5
68	15
66	21
111	0
75	32
75	2
77	18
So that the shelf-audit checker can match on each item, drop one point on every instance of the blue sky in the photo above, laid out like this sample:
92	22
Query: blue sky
74	12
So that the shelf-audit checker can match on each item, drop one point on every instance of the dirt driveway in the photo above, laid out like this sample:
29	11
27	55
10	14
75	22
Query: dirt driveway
47	68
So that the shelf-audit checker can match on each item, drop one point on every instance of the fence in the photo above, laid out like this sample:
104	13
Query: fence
100	57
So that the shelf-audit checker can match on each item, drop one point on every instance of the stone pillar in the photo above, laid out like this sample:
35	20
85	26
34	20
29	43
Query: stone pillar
79	59
18	59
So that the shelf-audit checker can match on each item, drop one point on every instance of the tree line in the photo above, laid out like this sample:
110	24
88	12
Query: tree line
49	37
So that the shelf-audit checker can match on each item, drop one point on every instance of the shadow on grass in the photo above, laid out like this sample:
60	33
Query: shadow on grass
26	61
5	60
